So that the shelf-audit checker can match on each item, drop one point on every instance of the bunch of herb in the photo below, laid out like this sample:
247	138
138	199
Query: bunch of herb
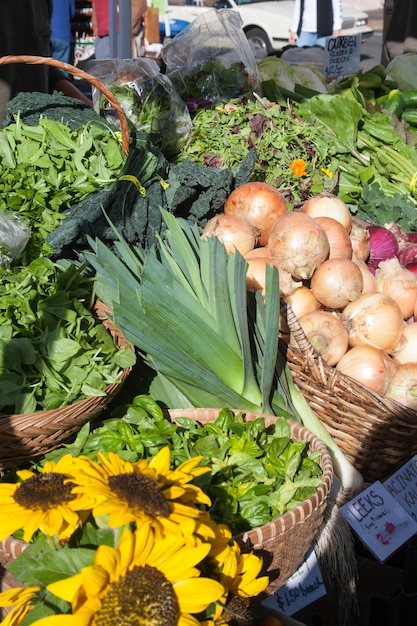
45	168
53	350
257	473
224	136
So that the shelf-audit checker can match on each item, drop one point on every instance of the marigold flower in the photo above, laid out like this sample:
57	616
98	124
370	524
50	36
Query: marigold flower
299	167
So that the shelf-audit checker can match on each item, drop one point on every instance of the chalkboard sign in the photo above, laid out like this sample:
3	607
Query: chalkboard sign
342	55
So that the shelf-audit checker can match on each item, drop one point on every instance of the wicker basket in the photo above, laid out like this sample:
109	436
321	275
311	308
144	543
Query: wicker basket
75	71
26	436
377	434
284	542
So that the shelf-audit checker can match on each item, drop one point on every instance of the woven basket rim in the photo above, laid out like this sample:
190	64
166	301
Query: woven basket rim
271	530
76	71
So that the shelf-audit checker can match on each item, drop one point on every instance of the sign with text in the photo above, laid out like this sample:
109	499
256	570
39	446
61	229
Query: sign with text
402	485
304	587
381	523
342	55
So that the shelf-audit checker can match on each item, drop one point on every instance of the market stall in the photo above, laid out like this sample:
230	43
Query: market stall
247	436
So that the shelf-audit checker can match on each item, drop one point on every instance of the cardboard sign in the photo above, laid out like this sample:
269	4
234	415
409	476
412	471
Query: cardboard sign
342	55
304	587
402	485
381	523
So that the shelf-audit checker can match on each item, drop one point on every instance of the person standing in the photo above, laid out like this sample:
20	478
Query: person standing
314	20
62	14
101	24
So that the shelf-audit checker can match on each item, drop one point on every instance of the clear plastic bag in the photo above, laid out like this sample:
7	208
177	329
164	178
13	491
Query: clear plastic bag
14	236
211	59
148	98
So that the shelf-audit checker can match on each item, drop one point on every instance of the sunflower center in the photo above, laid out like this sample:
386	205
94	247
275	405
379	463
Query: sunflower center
140	492
142	597
44	491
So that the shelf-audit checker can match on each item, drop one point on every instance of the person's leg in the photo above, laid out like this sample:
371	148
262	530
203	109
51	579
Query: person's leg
102	47
306	39
4	98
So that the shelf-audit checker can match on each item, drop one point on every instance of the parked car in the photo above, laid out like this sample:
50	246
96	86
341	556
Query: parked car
265	22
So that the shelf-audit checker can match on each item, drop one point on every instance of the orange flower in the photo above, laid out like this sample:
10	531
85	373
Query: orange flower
299	167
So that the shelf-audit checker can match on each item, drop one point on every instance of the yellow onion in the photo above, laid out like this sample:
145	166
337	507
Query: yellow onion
302	301
326	333
298	244
339	240
369	280
328	205
403	385
368	365
406	349
360	240
399	283
374	319
257	259
233	232
336	282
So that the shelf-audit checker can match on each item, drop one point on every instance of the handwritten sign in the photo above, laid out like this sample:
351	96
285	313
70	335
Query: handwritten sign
304	587
381	523
342	55
402	485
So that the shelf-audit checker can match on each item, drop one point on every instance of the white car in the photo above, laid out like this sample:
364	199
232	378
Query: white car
265	22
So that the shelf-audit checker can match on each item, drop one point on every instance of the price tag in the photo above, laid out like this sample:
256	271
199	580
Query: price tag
402	485
304	587
342	55
382	524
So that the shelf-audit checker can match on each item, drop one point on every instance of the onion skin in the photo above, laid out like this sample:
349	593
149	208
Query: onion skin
257	259
328	205
399	283
369	366
233	232
369	280
260	204
336	282
298	244
406	349
360	241
383	246
302	301
339	240
374	319
403	385
326	333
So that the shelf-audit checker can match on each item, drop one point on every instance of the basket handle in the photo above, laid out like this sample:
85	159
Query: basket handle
75	71
296	329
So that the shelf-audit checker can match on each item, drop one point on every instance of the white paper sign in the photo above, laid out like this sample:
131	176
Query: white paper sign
342	55
402	485
381	523
304	587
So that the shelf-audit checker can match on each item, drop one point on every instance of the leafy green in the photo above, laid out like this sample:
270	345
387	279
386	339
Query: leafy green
257	473
53	351
46	168
377	207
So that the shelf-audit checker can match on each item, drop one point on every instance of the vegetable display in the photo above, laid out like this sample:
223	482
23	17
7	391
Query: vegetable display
257	473
53	350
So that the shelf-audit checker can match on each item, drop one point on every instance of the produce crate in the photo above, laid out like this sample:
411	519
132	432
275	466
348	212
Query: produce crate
284	542
377	434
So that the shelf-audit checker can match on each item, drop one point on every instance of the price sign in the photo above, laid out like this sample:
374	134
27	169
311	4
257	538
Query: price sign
402	485
304	587
381	523
342	55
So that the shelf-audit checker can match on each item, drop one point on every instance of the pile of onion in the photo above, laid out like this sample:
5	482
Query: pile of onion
351	285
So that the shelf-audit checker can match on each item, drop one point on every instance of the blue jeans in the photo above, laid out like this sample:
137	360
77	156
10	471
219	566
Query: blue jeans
310	39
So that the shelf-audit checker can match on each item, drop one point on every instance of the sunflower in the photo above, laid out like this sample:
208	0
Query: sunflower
21	599
44	501
144	581
145	491
238	573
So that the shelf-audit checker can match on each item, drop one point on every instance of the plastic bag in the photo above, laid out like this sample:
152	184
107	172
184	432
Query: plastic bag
211	59
14	235
403	69
148	98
